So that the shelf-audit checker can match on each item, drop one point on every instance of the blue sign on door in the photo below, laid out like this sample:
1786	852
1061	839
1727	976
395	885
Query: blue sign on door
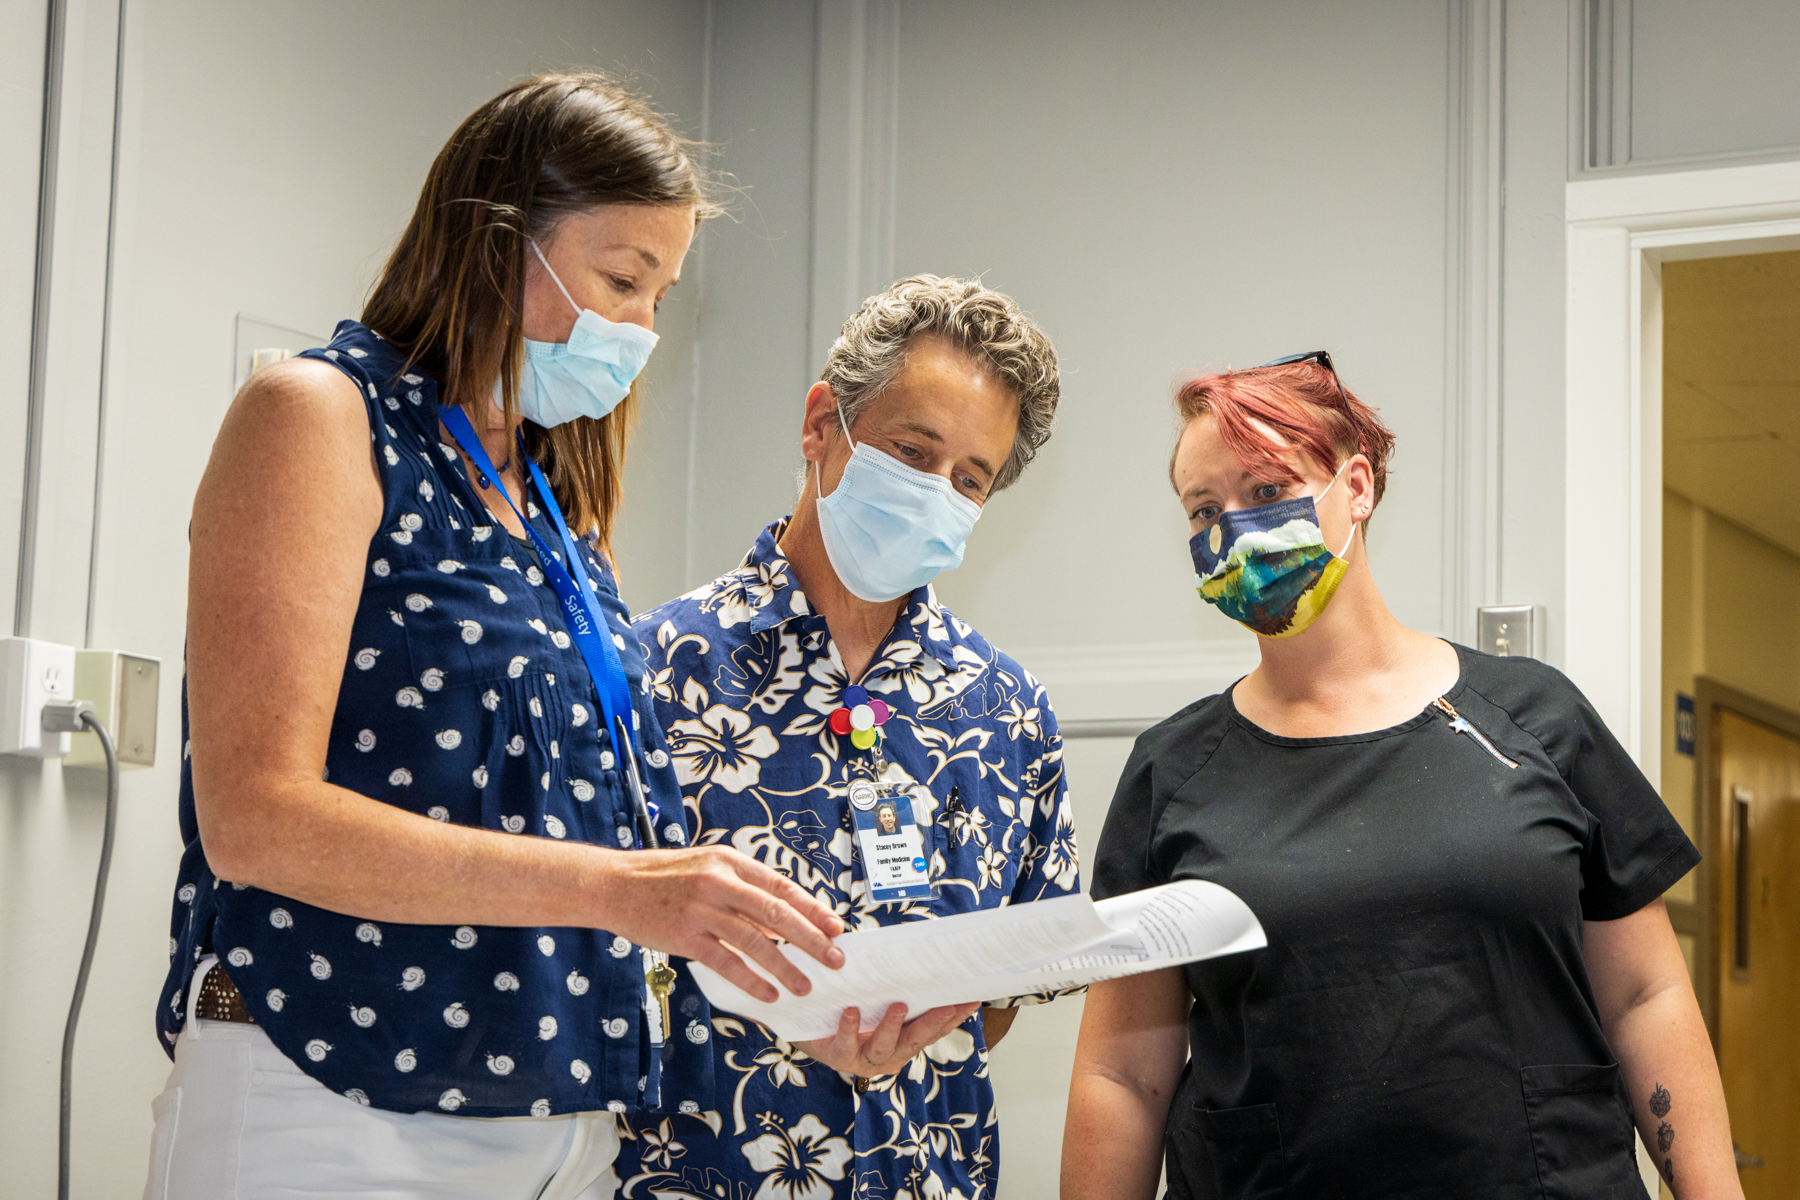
1684	724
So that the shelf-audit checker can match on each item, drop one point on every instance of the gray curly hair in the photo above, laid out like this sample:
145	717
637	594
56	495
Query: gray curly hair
984	324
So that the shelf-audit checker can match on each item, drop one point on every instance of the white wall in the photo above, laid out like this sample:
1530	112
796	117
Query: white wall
272	154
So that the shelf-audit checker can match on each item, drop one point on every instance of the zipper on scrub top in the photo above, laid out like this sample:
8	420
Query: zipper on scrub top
1458	725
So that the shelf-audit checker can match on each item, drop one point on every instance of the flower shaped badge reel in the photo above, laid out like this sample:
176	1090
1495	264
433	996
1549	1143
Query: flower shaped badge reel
860	718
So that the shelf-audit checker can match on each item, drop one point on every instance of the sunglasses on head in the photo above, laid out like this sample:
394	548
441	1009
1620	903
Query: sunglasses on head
1322	357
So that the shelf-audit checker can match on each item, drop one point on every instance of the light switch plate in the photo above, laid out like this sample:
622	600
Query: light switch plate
1515	630
32	674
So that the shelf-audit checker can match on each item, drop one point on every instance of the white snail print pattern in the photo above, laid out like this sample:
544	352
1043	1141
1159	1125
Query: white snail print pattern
697	1033
461	697
619	947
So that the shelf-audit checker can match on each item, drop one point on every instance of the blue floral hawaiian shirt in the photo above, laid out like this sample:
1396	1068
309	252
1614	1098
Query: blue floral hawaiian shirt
745	677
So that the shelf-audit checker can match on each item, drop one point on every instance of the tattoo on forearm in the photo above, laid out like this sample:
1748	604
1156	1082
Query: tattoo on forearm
1660	1104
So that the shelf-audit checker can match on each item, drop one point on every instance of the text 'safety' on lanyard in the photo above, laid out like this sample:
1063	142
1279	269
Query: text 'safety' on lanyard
580	608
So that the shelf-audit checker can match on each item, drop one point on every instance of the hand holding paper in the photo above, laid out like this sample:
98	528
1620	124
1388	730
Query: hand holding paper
1019	949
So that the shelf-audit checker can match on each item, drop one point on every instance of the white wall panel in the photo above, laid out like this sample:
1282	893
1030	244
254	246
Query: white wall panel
756	268
1170	187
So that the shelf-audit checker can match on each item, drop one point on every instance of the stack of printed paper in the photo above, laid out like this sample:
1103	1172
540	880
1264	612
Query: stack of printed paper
1000	952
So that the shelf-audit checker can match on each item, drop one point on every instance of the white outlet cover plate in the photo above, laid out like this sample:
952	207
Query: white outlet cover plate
33	674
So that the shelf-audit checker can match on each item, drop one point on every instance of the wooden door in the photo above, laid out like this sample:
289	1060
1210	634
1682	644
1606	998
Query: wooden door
1757	940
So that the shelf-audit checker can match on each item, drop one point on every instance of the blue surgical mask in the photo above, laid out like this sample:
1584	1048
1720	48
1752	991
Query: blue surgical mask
890	528
585	376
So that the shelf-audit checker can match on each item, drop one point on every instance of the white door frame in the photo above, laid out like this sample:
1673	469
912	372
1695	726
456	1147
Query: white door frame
1620	232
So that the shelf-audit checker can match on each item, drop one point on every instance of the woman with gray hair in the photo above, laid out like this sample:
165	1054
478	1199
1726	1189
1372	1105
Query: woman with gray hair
820	687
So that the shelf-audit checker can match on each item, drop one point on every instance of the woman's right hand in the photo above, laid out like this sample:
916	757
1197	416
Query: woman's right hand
712	904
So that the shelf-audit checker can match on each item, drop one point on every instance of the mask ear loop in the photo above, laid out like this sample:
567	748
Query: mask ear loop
553	278
818	471
1346	550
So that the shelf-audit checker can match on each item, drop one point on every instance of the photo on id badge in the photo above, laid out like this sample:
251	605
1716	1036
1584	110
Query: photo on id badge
895	866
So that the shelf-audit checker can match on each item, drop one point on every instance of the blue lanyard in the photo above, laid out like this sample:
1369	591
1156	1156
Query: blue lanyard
581	611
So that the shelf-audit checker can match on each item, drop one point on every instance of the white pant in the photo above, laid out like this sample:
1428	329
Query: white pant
239	1121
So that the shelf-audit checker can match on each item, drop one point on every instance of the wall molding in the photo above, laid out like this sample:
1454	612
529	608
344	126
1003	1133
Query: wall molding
1115	689
1474	258
856	125
1601	94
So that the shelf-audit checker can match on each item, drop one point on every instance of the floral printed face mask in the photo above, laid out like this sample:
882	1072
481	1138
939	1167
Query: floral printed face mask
1269	567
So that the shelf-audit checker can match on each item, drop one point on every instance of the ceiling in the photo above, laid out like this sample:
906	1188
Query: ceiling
1731	389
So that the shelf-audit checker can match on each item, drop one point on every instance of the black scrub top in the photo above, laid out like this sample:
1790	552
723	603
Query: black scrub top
1421	1023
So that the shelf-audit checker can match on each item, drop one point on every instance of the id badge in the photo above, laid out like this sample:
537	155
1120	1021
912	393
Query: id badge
895	866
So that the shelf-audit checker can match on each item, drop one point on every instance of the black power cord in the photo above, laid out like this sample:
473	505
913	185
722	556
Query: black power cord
73	717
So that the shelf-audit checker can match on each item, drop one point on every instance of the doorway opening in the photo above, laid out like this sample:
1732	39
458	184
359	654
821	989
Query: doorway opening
1730	750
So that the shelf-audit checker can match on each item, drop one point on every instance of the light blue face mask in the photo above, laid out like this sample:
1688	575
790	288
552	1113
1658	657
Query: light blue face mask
889	528
585	376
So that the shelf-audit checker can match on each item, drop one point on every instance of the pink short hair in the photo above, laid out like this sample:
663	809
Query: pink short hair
1266	413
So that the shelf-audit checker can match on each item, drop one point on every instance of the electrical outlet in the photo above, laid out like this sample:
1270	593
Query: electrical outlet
33	674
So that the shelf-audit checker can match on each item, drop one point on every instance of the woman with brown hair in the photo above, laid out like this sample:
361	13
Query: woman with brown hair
424	790
1470	986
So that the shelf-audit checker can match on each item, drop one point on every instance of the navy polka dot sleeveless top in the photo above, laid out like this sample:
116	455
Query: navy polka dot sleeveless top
463	700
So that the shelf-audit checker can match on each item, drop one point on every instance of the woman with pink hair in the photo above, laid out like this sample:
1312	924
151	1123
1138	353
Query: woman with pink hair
1470	986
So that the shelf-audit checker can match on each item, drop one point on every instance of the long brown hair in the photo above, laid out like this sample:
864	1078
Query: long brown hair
542	150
